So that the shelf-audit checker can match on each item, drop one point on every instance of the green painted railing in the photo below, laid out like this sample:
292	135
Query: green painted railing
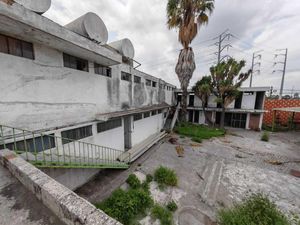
47	150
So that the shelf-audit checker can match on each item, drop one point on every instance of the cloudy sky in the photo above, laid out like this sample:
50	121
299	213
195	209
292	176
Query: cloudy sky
256	25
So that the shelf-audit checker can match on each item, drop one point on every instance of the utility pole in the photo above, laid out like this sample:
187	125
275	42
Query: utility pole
284	68
222	37
255	56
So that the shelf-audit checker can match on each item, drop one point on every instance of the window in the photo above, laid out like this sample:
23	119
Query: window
159	111
154	84
16	47
165	114
146	114
137	116
137	79
76	134
102	70
32	145
108	125
75	63
154	112
191	100
125	76
148	82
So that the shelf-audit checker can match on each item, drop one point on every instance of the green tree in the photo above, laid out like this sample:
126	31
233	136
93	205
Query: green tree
227	79
187	16
203	89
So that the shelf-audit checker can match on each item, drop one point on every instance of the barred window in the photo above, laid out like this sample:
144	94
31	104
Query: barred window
102	70
137	79
154	112
146	114
125	76
37	144
159	111
108	125
16	47
75	63
148	82
76	134
137	116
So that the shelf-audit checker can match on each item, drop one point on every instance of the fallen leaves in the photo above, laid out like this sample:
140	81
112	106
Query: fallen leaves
180	151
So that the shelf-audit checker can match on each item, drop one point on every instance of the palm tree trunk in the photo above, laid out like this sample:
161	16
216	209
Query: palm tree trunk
222	117
184	69
207	119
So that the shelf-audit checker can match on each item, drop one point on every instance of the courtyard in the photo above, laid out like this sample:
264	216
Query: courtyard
214	174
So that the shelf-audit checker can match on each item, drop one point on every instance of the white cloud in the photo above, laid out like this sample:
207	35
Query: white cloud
267	25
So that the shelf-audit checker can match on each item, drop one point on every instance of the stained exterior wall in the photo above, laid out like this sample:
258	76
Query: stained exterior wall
280	103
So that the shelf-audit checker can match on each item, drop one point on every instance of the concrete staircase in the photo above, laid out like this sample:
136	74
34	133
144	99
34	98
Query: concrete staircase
212	175
139	149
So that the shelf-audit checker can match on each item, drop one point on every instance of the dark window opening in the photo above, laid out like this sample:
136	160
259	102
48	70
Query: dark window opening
238	101
108	125
154	112
237	120
259	100
75	63
154	84
102	70
125	76
137	116
191	100
159	111
137	79
76	134
148	82
190	115
36	144
196	116
16	47
179	97
146	114
165	114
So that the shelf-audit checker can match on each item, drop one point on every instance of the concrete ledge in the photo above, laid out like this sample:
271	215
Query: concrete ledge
69	207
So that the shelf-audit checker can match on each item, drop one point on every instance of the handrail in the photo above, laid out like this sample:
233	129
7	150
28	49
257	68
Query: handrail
46	150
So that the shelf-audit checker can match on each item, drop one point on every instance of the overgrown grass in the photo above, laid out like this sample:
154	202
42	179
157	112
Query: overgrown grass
198	131
265	136
126	206
165	177
196	139
162	214
257	209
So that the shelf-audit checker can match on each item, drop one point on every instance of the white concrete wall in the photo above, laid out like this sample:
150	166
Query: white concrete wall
197	102
145	127
42	94
248	101
212	101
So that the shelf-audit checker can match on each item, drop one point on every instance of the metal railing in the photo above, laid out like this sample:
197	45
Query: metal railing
48	150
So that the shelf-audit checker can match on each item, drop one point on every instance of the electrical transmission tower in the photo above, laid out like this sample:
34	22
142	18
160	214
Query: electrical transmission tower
282	61
255	57
221	46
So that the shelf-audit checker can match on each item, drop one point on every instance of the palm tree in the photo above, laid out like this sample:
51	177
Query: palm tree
203	89
187	16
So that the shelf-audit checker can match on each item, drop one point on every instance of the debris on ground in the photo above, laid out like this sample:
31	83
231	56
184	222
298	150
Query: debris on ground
239	156
295	173
180	151
199	175
274	162
195	145
173	141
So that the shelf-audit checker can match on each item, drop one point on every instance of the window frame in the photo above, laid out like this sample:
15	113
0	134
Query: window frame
73	62
109	125
98	67
126	76
78	134
137	79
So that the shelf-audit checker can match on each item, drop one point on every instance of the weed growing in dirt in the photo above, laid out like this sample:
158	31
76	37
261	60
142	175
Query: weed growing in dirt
162	214
172	206
196	139
265	136
165	177
257	209
133	181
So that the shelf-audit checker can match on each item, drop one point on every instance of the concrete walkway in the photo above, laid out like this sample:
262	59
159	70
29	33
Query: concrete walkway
18	206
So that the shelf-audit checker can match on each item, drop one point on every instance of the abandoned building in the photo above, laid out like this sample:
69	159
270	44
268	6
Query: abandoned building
245	112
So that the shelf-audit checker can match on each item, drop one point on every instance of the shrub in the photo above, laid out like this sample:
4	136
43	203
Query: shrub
126	205
265	136
172	206
133	181
149	178
196	139
163	214
165	176
254	210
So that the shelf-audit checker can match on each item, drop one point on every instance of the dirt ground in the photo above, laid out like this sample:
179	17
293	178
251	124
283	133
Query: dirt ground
217	173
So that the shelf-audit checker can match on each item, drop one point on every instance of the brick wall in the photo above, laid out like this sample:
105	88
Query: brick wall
280	103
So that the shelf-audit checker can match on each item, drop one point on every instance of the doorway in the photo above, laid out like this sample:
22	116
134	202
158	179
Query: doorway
127	132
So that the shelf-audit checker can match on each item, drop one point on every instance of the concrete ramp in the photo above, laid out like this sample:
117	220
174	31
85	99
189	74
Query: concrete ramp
139	149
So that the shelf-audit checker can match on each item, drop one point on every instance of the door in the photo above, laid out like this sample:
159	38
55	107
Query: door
127	132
